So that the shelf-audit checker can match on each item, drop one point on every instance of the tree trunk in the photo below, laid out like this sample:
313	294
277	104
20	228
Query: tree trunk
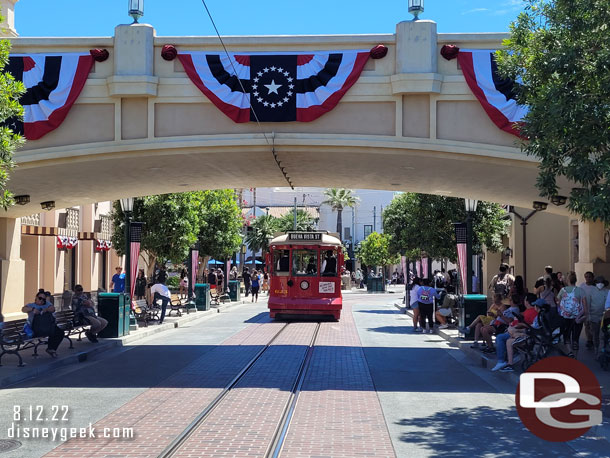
340	222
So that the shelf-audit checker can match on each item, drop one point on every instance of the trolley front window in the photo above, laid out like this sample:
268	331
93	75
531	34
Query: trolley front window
281	262
329	263
305	263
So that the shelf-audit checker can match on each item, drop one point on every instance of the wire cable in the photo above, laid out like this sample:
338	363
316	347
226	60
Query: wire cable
272	145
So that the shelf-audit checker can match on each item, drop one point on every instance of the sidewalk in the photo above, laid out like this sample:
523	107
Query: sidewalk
11	374
488	361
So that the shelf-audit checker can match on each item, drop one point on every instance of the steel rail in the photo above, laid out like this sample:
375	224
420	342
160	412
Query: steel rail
179	440
279	436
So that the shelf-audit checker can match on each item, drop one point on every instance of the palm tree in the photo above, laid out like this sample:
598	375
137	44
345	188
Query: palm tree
305	222
338	199
263	228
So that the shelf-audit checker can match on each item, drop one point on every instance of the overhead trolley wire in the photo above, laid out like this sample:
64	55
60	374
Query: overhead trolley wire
272	143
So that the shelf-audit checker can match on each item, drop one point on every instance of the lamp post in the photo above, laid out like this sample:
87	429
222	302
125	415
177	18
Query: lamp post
127	207
416	7
471	208
538	207
136	9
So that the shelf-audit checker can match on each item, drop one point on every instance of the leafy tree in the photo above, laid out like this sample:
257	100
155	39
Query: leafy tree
375	251
338	199
171	224
220	224
10	92
263	228
558	51
305	222
423	224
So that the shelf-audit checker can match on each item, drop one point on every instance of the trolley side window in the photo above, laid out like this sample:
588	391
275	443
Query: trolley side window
329	263
281	262
305	263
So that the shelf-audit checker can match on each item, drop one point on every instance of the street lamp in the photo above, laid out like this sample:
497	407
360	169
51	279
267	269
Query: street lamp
471	208
127	207
416	7
136	9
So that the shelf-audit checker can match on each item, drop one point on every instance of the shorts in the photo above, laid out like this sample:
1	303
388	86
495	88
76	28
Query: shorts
486	319
415	305
445	312
255	290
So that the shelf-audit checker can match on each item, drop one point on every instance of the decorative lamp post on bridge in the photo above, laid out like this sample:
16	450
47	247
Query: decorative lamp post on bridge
136	9
471	208
416	7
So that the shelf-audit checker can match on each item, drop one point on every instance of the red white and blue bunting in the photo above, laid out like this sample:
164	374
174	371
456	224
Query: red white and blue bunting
66	243
494	93
53	83
102	245
275	87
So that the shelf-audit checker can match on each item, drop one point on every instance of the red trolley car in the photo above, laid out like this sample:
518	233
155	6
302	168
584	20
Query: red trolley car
305	274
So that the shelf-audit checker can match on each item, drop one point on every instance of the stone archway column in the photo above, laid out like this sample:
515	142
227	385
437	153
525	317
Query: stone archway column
592	250
12	273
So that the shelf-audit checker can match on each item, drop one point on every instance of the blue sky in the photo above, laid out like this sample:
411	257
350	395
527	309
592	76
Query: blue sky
258	17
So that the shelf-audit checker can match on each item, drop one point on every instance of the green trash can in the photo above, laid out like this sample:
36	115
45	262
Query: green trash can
473	305
115	308
375	285
234	290
203	300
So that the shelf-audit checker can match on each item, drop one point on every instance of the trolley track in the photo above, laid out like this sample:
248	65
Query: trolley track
281	429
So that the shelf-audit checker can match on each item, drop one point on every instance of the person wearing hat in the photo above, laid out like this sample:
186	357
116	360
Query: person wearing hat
517	329
595	303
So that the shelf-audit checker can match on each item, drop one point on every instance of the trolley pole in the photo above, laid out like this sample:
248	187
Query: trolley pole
294	224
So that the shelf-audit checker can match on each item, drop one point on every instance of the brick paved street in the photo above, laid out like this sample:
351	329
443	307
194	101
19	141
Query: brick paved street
372	389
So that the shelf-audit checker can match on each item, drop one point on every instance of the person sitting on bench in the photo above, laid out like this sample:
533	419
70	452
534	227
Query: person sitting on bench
42	321
85	313
161	292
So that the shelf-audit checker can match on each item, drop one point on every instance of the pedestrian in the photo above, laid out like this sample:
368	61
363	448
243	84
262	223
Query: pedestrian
359	278
141	283
588	287
247	280
266	282
41	321
212	279
84	313
425	298
573	312
256	281
595	304
502	282
413	304
160	292
184	284
233	273
118	280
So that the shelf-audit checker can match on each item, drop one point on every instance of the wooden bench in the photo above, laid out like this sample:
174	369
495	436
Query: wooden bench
66	322
217	299
13	340
146	313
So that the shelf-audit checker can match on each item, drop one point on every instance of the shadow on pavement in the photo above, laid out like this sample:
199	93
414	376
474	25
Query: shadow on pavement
479	431
379	312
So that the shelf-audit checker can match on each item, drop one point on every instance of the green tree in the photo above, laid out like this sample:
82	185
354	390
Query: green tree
338	199
305	222
263	228
558	51
422	224
10	92
375	251
220	224
171	225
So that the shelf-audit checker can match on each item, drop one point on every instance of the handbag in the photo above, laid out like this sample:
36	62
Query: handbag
43	324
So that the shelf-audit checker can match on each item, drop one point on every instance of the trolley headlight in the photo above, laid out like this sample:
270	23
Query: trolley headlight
304	284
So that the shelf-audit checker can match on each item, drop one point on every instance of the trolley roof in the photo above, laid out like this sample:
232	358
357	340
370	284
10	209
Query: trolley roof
322	239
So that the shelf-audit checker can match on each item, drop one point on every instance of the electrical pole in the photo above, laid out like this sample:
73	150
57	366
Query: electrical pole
294	224
374	218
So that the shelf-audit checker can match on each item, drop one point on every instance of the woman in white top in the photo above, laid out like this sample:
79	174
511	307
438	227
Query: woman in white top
414	304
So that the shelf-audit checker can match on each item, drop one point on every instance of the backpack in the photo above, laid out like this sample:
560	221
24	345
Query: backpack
501	285
569	306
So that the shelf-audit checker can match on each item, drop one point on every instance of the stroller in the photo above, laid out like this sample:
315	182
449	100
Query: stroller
541	343
604	351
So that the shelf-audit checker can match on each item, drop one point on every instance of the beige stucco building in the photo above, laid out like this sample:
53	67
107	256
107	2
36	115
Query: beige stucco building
141	127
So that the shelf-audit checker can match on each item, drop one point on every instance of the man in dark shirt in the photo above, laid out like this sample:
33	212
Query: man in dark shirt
247	280
329	265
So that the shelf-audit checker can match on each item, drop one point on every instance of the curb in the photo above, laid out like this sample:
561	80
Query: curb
108	344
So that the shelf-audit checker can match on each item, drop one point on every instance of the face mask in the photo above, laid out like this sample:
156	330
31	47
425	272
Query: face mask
599	285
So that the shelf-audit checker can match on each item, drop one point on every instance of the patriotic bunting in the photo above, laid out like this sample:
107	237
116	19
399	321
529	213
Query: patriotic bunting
494	93
53	84
66	243
278	87
103	245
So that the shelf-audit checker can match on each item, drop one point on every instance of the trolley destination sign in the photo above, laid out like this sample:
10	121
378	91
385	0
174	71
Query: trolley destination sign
305	236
